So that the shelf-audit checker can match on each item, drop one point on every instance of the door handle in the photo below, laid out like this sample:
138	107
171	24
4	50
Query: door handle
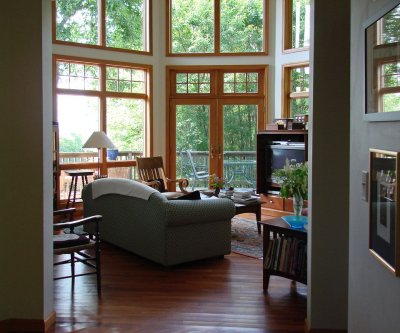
219	152
212	151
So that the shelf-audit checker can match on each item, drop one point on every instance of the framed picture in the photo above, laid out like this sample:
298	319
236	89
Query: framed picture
384	228
382	64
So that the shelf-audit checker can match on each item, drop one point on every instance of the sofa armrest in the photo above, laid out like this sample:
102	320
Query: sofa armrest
184	212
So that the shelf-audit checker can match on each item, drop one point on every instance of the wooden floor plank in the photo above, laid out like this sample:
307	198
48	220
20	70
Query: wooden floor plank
213	295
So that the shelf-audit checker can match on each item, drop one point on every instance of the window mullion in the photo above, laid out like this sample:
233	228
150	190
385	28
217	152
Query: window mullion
217	26
102	23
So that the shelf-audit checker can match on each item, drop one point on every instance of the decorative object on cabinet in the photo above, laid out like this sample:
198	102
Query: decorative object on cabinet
382	64
384	228
293	179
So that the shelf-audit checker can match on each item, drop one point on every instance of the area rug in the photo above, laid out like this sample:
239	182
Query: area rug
245	238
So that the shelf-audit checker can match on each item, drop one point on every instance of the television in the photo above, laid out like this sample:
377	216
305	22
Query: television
278	152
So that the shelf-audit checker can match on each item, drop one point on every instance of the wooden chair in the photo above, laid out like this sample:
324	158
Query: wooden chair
151	172
81	247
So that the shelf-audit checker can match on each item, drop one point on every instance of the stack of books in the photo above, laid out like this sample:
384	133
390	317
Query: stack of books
244	197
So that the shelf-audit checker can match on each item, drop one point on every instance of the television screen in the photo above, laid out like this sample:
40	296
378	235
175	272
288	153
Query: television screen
278	153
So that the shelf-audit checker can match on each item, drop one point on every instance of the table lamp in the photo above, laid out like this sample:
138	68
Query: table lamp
99	140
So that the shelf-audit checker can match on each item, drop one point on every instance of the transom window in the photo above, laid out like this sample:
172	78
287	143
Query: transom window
127	80
78	76
193	83
209	27
243	83
120	25
296	90
296	24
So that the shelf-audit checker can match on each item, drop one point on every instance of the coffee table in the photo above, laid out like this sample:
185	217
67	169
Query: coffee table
254	207
240	208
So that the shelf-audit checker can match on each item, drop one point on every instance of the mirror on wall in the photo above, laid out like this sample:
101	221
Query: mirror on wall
382	65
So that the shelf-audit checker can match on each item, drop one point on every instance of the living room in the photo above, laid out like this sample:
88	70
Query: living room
351	273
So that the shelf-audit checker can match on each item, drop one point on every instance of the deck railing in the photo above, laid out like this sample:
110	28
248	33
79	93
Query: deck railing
239	168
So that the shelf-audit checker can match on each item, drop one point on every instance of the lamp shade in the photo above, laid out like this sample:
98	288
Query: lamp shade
98	139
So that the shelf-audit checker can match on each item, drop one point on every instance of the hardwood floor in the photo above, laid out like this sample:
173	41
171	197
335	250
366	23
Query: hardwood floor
214	295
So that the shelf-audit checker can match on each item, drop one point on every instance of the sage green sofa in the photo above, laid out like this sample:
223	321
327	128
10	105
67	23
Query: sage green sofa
141	220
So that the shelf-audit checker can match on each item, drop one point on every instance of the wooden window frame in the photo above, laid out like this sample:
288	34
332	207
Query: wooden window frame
217	33
287	94
148	31
382	91
216	94
287	29
102	94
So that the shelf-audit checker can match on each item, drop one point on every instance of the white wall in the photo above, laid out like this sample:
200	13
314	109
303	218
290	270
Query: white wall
329	165
25	164
374	293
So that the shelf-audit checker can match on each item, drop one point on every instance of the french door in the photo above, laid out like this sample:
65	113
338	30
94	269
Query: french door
213	119
214	137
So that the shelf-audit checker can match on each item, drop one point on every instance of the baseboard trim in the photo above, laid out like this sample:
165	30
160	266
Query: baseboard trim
307	329
28	325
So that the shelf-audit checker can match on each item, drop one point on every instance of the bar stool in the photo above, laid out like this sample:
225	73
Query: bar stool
75	174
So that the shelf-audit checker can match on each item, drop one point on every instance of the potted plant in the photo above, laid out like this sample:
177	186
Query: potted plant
293	179
216	183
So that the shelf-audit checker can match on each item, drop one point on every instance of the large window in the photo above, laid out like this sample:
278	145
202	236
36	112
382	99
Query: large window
222	27
389	86
387	63
296	24
213	118
115	24
296	90
93	96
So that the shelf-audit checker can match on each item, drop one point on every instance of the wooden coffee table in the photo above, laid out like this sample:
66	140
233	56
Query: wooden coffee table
254	208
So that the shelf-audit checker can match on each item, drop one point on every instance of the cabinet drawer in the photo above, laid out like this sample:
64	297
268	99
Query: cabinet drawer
272	202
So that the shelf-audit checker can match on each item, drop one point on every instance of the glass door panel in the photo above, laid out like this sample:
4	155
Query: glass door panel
239	144
125	128
78	118
192	130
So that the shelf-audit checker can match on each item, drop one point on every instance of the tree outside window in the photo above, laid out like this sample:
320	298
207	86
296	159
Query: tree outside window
296	90
124	25
217	26
297	24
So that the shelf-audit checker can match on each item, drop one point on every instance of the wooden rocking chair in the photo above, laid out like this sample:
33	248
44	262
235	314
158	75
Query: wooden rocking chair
151	172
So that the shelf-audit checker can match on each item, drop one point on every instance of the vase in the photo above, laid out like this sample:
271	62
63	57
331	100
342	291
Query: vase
297	204
216	191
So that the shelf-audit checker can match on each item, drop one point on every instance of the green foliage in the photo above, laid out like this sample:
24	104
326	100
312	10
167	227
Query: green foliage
192	26
391	26
124	24
125	123
240	122
241	26
299	37
300	106
293	179
72	144
77	21
192	127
